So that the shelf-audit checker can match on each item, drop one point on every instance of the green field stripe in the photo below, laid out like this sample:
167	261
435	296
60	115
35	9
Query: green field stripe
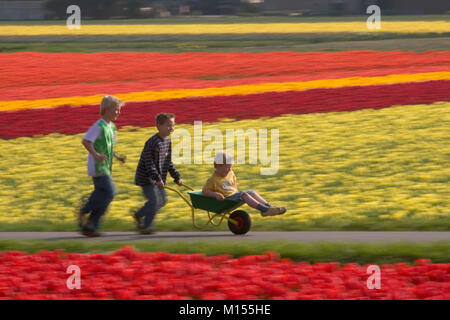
312	37
343	252
227	43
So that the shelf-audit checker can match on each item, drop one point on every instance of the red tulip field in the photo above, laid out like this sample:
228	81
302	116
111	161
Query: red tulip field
129	274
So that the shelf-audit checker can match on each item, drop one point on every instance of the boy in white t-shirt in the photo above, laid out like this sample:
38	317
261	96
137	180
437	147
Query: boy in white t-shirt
99	140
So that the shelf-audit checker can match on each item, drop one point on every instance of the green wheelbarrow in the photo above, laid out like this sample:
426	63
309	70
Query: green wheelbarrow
239	221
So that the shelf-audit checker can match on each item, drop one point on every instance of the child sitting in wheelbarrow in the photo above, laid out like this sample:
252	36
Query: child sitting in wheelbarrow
222	185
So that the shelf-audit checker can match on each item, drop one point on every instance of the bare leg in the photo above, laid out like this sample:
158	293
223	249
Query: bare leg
258	198
248	199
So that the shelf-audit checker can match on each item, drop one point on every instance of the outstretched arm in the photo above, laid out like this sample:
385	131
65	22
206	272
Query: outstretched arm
172	171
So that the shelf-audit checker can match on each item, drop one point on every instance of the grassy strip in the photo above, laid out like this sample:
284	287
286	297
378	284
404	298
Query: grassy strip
227	43
343	252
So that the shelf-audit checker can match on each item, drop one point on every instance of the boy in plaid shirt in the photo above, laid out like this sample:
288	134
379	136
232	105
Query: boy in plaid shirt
151	172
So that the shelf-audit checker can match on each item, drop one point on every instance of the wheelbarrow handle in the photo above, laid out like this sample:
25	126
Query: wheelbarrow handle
186	186
182	185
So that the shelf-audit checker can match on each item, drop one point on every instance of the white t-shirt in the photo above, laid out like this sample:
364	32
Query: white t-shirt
92	135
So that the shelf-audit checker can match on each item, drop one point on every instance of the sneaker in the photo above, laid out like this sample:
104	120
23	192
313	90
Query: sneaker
78	212
138	221
282	210
148	230
80	219
274	211
91	234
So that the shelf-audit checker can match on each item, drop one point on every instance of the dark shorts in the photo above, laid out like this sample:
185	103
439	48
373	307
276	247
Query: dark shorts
237	196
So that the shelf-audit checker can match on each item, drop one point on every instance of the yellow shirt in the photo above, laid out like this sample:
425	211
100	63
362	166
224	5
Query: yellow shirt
224	185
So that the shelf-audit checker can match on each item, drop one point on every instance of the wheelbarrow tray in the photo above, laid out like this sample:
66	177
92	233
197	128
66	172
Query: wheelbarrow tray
199	201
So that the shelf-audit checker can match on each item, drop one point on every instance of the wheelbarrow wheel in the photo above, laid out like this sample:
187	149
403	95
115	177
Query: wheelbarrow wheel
243	222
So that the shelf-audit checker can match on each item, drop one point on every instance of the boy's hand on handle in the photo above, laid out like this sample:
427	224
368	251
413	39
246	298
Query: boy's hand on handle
160	184
179	182
219	196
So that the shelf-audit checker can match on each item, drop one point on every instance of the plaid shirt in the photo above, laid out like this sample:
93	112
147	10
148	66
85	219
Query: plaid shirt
155	162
